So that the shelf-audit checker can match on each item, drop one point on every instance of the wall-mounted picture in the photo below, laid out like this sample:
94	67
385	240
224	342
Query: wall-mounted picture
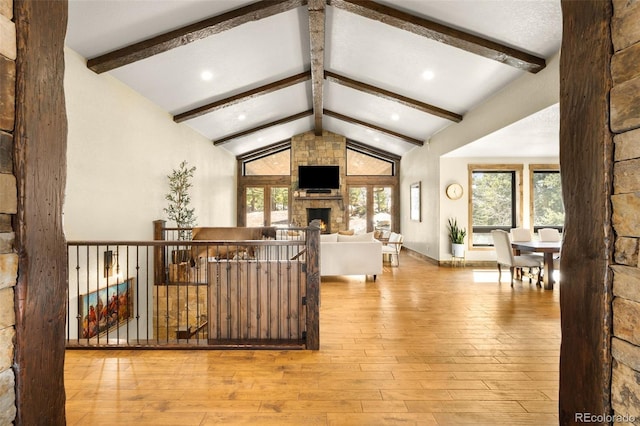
414	197
106	308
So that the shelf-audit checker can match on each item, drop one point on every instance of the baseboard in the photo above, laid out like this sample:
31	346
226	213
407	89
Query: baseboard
449	262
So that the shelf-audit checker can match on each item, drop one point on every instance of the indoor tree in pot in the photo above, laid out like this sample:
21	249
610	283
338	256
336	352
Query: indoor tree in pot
456	236
179	209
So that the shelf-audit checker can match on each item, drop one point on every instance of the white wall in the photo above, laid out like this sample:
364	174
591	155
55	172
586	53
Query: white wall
525	96
456	170
120	149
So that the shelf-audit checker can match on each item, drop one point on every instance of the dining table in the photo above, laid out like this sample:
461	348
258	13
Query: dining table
548	249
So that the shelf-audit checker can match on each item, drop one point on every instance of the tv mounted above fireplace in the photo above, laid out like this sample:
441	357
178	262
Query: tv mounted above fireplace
319	178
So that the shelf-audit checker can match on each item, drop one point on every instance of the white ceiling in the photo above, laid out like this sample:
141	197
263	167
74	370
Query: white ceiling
535	136
264	51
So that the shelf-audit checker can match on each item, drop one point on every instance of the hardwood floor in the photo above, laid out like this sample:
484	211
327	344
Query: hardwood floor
421	345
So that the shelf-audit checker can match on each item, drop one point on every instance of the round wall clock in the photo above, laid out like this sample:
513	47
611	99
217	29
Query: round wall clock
454	191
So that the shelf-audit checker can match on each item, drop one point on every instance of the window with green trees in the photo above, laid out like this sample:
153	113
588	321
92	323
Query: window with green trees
546	200
494	202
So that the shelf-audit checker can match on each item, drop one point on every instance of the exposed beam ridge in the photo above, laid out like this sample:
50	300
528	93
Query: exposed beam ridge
442	33
316	36
373	127
190	33
241	97
382	93
264	126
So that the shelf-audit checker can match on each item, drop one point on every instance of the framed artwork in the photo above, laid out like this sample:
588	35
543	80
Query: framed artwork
106	308
414	198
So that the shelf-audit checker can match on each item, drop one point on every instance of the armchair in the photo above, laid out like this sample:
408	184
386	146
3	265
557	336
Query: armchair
392	247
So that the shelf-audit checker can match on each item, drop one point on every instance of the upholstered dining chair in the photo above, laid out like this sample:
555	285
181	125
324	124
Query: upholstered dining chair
520	234
505	256
392	247
549	234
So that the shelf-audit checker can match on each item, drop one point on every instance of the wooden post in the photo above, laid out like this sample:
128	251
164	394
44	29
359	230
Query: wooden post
313	286
586	147
40	166
159	266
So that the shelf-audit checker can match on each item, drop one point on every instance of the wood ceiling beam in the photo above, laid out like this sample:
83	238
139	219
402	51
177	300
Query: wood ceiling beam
190	33
385	94
244	96
264	126
316	36
442	33
373	127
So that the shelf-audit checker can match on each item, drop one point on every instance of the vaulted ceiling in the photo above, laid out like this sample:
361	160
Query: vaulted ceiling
247	74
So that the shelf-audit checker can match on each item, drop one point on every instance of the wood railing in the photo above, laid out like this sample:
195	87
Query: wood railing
205	294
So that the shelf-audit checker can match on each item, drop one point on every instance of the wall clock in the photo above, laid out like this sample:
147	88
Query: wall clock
454	191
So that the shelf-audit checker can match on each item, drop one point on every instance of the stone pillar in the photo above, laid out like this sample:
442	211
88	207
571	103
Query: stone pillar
8	206
625	122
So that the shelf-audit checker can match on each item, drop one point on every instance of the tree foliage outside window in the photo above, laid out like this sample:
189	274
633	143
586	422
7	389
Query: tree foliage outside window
493	203
358	209
548	208
279	206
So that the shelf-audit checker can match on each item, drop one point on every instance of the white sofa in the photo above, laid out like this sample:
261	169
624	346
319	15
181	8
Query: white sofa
350	255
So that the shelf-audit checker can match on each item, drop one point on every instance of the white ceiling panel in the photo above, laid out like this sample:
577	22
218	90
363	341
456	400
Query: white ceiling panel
269	136
255	112
98	26
367	136
382	112
245	57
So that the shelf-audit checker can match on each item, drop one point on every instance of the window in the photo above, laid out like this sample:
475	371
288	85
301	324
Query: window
358	209
255	207
279	206
547	208
382	199
364	164
495	194
272	164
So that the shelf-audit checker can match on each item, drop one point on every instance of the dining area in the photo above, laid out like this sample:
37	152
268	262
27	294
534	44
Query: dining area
539	253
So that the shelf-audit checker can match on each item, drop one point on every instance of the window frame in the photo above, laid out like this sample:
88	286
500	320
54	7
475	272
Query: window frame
517	192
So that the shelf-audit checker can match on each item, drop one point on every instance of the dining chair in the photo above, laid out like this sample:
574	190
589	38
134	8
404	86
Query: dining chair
520	234
549	234
505	256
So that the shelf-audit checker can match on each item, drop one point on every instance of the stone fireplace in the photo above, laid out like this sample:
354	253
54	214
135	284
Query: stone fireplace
324	214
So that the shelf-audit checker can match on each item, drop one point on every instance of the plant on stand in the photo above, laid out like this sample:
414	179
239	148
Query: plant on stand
456	236
179	199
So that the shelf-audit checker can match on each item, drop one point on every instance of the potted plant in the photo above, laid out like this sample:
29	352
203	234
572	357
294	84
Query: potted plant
456	236
179	199
182	214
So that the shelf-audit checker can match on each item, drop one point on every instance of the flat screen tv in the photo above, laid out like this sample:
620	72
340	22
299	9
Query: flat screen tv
318	177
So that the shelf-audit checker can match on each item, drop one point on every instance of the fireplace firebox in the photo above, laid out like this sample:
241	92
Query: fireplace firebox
324	214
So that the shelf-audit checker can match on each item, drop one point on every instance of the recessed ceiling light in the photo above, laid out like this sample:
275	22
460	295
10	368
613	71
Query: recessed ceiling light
395	117
206	75
428	74
242	117
377	139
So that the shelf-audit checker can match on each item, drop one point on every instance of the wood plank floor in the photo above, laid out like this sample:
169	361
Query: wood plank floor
422	345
